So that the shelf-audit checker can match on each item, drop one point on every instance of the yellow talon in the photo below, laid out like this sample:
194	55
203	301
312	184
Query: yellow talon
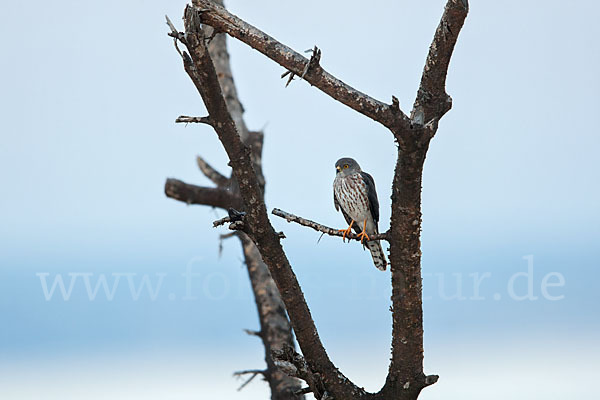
346	231
363	234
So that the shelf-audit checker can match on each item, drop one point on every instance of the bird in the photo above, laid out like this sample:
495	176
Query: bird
355	196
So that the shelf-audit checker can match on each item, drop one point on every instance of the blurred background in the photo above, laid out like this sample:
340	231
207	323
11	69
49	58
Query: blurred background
511	224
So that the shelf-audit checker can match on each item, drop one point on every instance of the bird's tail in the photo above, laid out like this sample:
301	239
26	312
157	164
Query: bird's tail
377	253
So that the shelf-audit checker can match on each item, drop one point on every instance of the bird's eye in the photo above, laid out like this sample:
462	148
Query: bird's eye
345	166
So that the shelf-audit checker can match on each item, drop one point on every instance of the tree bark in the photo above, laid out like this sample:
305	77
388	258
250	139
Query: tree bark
405	378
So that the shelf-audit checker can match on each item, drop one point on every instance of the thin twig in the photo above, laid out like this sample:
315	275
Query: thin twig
222	238
175	34
174	30
322	228
254	373
290	79
253	333
248	371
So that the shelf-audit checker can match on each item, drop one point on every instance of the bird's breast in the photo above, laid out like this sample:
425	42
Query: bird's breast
351	194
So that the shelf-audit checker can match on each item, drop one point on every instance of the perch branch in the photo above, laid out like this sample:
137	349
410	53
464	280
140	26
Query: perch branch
322	228
218	17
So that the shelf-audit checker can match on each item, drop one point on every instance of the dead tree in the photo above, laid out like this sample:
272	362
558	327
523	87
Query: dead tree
412	135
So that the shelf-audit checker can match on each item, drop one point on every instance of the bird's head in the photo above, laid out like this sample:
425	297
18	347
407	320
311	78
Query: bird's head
346	166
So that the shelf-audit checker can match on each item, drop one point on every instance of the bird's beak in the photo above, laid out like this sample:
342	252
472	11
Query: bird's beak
338	168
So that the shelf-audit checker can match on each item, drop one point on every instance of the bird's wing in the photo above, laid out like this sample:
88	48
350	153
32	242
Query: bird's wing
372	196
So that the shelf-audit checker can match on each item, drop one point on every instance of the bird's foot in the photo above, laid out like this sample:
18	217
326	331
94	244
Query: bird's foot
346	231
363	235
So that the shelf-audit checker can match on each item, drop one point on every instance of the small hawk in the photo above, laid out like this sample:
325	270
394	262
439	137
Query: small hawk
354	193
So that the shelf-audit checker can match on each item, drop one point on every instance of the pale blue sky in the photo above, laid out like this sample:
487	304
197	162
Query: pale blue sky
90	91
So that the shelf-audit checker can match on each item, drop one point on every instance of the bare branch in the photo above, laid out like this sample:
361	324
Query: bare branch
215	176
192	194
184	119
290	79
322	228
219	18
432	101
